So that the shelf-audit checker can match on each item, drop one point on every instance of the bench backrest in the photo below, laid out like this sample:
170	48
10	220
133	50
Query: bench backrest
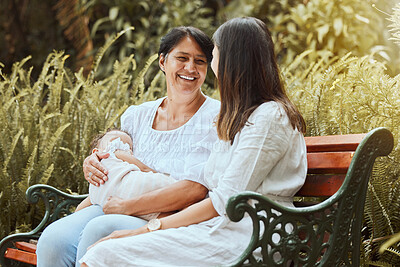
328	159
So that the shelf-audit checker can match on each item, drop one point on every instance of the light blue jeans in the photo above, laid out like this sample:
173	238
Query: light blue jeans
65	241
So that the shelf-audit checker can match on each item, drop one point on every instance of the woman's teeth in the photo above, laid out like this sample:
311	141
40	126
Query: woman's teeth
186	77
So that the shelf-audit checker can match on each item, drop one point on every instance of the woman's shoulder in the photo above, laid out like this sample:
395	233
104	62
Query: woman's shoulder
213	103
206	114
270	109
138	113
211	107
144	107
269	114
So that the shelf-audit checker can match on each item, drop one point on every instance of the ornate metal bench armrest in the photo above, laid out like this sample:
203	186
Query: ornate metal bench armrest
56	203
264	213
326	233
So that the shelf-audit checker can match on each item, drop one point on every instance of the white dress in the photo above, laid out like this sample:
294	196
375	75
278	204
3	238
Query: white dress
182	152
267	156
125	180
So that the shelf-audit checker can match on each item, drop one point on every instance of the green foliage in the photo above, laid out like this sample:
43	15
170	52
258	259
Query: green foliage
47	126
151	19
28	28
395	26
338	26
81	27
324	26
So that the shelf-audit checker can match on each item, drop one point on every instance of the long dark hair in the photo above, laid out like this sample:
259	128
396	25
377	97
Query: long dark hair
248	75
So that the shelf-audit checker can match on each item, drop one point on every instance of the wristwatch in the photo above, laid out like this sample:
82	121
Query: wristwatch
154	225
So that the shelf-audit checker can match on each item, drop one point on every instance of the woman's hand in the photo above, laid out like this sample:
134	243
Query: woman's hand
122	233
94	172
114	205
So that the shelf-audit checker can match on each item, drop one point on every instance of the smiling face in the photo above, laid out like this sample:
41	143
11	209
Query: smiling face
185	67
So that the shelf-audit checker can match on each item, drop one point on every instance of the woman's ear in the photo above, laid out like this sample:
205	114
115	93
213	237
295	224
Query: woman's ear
161	62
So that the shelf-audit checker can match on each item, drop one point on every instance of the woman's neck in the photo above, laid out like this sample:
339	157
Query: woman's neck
187	105
176	111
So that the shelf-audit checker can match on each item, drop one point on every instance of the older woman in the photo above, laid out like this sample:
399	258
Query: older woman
172	135
261	149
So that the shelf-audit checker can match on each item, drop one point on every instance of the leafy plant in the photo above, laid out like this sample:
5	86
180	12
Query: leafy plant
48	125
81	27
151	20
354	95
395	26
324	26
338	26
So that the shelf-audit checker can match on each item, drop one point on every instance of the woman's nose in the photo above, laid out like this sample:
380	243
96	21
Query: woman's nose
191	66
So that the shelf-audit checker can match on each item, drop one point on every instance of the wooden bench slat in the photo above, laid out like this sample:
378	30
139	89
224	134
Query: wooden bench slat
22	256
329	162
330	143
321	185
29	247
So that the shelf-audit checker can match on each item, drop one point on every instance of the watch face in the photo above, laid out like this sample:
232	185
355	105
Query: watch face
154	224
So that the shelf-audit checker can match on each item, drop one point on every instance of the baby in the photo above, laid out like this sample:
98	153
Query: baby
125	178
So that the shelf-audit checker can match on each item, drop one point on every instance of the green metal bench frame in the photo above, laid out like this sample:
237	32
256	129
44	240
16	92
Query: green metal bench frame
57	204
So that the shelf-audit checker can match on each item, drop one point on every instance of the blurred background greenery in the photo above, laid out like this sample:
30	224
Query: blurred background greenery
69	68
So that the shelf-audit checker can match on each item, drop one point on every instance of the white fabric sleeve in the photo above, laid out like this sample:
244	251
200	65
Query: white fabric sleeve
197	158
260	145
128	119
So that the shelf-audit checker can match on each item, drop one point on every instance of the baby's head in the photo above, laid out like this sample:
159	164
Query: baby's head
101	141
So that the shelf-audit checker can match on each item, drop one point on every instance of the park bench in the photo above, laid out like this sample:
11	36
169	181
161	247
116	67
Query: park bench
326	233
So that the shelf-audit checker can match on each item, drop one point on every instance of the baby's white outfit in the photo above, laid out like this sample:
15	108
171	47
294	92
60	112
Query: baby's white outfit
125	180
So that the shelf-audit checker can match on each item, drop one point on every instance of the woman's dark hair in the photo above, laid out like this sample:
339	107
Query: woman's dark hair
248	75
174	36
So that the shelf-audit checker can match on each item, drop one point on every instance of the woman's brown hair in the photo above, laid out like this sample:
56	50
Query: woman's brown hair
248	75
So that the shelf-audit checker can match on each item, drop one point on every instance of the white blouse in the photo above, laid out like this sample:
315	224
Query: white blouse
180	153
267	156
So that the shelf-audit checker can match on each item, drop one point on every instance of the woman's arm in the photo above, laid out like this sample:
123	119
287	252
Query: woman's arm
128	157
176	196
196	213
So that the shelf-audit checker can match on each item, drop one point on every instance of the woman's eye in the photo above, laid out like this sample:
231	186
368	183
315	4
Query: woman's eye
201	62
181	58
